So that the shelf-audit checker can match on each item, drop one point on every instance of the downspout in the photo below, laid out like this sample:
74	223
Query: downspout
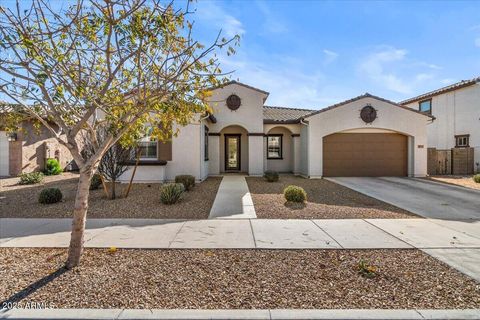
302	121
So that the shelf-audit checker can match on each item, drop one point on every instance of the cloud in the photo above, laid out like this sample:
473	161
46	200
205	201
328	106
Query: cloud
448	81
477	42
393	69
330	56
213	14
271	22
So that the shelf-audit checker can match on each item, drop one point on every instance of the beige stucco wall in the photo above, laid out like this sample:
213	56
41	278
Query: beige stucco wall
244	147
347	117
457	112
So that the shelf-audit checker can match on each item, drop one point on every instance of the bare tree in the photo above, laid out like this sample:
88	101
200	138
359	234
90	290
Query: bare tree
114	163
117	64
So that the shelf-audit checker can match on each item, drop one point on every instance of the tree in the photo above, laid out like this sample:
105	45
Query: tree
114	163
113	65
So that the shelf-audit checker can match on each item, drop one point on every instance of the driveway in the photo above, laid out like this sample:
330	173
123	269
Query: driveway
425	198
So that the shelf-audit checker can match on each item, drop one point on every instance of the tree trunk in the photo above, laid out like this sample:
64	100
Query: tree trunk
113	190
79	217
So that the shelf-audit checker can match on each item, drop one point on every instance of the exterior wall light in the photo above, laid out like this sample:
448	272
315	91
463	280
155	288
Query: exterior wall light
12	136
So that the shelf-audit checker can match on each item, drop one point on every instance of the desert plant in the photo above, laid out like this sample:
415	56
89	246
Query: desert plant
171	193
271	176
188	181
366	270
96	182
53	168
294	194
50	195
31	178
476	178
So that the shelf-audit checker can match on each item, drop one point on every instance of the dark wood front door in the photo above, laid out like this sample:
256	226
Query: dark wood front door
232	152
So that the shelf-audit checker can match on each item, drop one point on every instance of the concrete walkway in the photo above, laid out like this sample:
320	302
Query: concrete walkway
456	243
233	200
172	314
420	196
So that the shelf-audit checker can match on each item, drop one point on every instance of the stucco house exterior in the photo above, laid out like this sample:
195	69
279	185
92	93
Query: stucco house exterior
454	138
363	136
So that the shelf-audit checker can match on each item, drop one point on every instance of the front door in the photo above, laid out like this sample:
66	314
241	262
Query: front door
232	152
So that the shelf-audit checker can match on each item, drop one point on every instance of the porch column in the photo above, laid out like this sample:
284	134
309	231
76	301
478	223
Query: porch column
213	153
255	154
296	153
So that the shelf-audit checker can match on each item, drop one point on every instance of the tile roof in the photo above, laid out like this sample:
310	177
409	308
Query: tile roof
273	114
455	86
240	84
367	95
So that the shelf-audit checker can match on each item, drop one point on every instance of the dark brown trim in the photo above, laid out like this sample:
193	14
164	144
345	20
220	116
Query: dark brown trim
212	118
295	135
256	134
462	136
206	144
272	121
281	146
146	162
421	101
215	134
239	152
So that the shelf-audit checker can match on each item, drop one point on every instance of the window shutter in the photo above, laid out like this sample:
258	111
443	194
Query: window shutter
165	150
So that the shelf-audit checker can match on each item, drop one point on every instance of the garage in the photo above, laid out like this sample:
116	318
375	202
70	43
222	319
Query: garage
365	155
4	154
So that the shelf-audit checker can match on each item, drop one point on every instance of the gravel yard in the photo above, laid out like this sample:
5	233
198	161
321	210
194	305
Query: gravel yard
21	201
236	279
325	200
464	181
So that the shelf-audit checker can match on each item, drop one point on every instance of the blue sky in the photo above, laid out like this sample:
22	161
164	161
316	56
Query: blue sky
312	54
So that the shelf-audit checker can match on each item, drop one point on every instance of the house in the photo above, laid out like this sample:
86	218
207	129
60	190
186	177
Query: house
28	149
363	136
454	138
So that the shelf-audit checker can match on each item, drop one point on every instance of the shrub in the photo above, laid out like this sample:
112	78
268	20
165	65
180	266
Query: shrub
31	178
50	195
476	178
171	193
53	167
271	176
96	182
295	194
366	270
188	181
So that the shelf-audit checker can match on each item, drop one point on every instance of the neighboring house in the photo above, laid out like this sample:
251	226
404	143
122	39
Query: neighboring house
364	136
27	150
454	137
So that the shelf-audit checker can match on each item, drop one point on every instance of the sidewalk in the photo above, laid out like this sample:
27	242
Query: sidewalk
173	314
233	200
454	242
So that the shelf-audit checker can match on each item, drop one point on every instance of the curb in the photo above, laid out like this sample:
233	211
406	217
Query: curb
334	314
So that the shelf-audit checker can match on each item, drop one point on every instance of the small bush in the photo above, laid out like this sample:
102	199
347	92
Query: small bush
295	194
50	195
366	270
476	178
171	193
31	178
188	181
96	182
53	167
271	176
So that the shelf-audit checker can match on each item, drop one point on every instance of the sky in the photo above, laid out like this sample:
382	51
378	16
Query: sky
311	54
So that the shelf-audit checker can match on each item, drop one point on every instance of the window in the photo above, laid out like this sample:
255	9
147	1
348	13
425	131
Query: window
148	146
425	106
462	140
205	144
274	147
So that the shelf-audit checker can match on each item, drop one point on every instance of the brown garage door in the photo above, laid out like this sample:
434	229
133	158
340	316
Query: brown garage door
365	155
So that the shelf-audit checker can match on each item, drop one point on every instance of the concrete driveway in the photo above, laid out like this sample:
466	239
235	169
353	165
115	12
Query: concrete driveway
423	197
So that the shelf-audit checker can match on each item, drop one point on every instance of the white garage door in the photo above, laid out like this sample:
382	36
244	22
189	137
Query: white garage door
3	154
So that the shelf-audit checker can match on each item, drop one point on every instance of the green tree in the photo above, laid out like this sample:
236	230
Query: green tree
113	65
